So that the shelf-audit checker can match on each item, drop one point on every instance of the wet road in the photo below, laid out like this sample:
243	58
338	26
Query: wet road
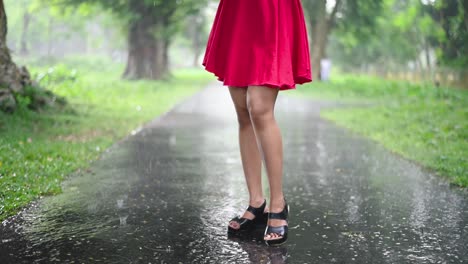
165	195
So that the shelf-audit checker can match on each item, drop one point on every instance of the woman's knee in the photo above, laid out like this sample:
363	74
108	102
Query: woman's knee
239	98
259	111
243	117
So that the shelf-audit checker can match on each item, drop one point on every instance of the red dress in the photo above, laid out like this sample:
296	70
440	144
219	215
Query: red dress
259	42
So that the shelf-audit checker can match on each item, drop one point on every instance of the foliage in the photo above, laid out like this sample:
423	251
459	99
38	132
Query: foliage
170	14
55	29
150	26
37	151
402	33
325	16
418	121
452	15
360	17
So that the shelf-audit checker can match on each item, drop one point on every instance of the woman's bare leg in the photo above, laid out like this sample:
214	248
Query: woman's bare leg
250	155
261	102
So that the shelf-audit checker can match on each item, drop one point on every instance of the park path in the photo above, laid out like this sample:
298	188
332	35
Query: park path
165	195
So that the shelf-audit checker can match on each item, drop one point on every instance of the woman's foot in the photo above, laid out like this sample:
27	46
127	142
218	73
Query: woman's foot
277	228
255	213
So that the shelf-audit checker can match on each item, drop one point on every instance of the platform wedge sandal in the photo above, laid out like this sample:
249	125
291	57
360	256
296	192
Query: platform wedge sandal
260	219
280	231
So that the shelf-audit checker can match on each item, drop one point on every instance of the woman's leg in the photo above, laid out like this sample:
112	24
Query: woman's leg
250	155
261	102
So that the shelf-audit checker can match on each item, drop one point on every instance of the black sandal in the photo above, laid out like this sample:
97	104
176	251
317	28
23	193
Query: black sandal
281	231
247	224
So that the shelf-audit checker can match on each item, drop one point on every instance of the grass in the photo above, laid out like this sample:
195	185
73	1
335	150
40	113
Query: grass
38	150
421	122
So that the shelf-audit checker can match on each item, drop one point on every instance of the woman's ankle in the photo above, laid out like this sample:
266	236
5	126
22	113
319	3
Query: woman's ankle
277	203
256	201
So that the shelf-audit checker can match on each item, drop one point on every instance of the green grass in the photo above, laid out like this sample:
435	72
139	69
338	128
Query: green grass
38	150
421	122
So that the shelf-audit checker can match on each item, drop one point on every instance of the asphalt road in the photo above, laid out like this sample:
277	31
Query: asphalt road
166	194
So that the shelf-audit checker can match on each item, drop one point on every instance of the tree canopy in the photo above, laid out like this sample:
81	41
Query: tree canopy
404	32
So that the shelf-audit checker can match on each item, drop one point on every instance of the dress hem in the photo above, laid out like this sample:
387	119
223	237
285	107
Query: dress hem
300	79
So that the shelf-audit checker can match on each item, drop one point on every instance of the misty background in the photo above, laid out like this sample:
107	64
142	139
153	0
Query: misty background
392	38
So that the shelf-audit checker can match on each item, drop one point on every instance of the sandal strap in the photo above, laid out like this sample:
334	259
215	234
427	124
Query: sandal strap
257	210
283	215
280	216
241	220
279	230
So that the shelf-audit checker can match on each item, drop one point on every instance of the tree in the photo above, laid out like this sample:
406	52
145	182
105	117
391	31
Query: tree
195	32
150	25
321	23
409	34
452	15
402	32
150	34
419	29
12	78
25	31
326	15
15	81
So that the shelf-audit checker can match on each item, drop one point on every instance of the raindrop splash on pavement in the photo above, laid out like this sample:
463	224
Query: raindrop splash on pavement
166	194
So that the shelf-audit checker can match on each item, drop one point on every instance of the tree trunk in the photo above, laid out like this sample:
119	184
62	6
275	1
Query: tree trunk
49	37
147	48
319	28
427	53
10	75
321	24
147	52
465	5
24	34
165	61
142	51
196	29
3	24
15	80
196	58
